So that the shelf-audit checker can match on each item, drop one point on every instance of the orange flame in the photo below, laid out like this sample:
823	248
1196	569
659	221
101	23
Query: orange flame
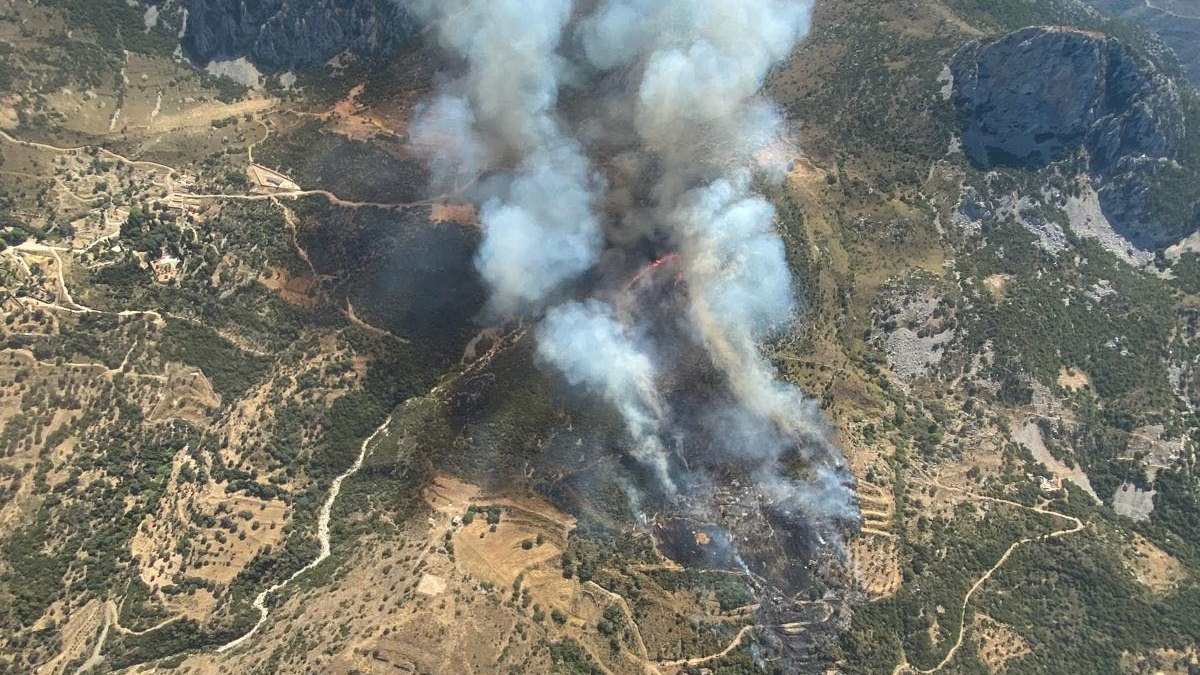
670	258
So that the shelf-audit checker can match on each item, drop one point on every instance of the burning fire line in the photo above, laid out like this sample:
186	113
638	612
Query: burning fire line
669	259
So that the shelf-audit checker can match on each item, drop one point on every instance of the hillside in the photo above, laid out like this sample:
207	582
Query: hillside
259	414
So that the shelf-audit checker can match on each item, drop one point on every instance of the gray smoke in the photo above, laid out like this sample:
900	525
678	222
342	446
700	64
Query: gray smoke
513	67
688	100
587	343
542	231
702	64
539	229
444	131
741	290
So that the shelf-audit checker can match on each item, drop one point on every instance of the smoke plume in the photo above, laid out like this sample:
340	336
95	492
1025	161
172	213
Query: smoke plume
586	343
665	95
701	65
539	226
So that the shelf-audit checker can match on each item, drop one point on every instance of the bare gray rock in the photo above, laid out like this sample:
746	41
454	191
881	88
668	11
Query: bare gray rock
1035	95
279	36
1043	94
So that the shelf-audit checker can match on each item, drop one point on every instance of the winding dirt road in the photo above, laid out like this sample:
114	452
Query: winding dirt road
1078	525
112	622
171	173
323	516
296	194
97	656
737	642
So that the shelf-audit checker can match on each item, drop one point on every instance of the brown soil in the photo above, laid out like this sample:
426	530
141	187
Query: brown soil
204	114
78	633
1163	662
299	290
407	604
356	121
463	214
998	643
996	284
1152	566
876	562
188	395
155	543
1072	379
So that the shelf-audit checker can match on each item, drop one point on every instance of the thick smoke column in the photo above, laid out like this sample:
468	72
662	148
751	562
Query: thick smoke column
538	222
741	292
539	225
542	232
701	65
683	130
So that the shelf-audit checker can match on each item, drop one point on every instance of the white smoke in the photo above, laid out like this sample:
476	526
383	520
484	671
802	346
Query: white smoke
444	131
542	231
688	93
733	259
587	343
539	230
741	292
702	65
513	66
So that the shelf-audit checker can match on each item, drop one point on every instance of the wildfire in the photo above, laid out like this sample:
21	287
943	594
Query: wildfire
669	259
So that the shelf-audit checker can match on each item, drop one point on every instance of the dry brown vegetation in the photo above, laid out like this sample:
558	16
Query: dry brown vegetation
1153	567
876	565
412	605
998	643
1163	661
245	525
1073	379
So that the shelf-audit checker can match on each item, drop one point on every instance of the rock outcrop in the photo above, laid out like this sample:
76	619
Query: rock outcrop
1038	94
1042	94
278	35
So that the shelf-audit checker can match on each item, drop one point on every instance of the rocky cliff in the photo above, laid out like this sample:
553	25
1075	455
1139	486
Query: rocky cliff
281	35
1042	94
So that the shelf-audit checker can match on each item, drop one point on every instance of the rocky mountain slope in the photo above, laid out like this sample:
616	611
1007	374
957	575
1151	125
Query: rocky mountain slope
278	36
253	418
1039	95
